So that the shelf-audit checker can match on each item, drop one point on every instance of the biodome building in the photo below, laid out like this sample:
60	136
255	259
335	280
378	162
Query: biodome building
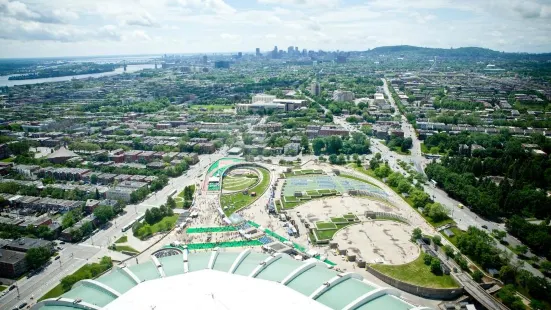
175	278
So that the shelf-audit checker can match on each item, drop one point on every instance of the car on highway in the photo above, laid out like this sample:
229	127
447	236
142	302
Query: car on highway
57	257
21	306
484	226
11	288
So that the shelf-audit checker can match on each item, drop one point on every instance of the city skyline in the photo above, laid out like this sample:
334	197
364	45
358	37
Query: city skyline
64	28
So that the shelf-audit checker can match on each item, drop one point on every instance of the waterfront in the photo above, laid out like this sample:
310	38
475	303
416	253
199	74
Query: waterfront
129	69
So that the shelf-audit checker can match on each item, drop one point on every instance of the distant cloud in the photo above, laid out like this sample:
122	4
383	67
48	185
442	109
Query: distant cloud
304	3
20	11
143	19
531	9
13	29
140	35
214	6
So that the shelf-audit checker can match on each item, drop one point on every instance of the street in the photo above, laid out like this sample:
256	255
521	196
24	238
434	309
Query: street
74	256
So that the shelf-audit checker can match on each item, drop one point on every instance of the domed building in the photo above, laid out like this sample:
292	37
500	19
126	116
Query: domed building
174	278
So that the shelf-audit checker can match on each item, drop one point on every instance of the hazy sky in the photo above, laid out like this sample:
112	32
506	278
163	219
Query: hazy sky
30	28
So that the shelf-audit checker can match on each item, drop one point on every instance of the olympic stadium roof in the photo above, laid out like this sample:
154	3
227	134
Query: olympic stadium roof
175	279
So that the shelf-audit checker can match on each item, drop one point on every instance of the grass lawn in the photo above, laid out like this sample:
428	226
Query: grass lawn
8	160
238	183
457	232
216	107
3	287
53	293
84	272
122	239
237	201
416	273
166	224
329	233
325	225
126	248
168	221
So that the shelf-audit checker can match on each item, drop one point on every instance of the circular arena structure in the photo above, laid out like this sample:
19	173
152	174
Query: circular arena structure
178	279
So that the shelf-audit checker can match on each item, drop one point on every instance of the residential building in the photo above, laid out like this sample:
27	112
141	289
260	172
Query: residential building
221	64
24	244
12	263
343	95
315	88
120	193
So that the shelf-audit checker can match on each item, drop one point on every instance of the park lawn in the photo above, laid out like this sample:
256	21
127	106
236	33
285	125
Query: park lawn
165	222
325	225
329	233
82	273
122	239
457	232
416	273
239	183
215	107
368	172
3	287
126	248
7	160
53	293
339	220
325	234
238	201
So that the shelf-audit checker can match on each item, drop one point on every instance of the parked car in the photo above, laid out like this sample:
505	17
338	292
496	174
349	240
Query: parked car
21	306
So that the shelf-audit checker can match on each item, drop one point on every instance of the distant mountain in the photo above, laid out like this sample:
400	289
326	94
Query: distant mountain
475	52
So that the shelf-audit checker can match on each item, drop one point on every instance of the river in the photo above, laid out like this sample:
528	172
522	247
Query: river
130	68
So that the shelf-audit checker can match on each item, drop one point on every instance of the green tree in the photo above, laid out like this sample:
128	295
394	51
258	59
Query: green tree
317	145
427	259
170	203
305	144
383	171
435	266
477	276
104	213
448	249
416	234
419	198
436	239
36	257
333	159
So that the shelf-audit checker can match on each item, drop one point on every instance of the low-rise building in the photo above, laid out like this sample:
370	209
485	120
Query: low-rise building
12	263
24	244
120	193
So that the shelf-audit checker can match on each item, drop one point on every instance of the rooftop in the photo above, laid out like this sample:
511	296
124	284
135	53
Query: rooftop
226	280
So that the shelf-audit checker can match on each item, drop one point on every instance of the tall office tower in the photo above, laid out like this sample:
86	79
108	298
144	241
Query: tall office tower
239	55
290	50
205	59
275	52
258	51
297	52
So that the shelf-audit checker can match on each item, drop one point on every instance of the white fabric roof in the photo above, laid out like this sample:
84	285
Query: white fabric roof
212	290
